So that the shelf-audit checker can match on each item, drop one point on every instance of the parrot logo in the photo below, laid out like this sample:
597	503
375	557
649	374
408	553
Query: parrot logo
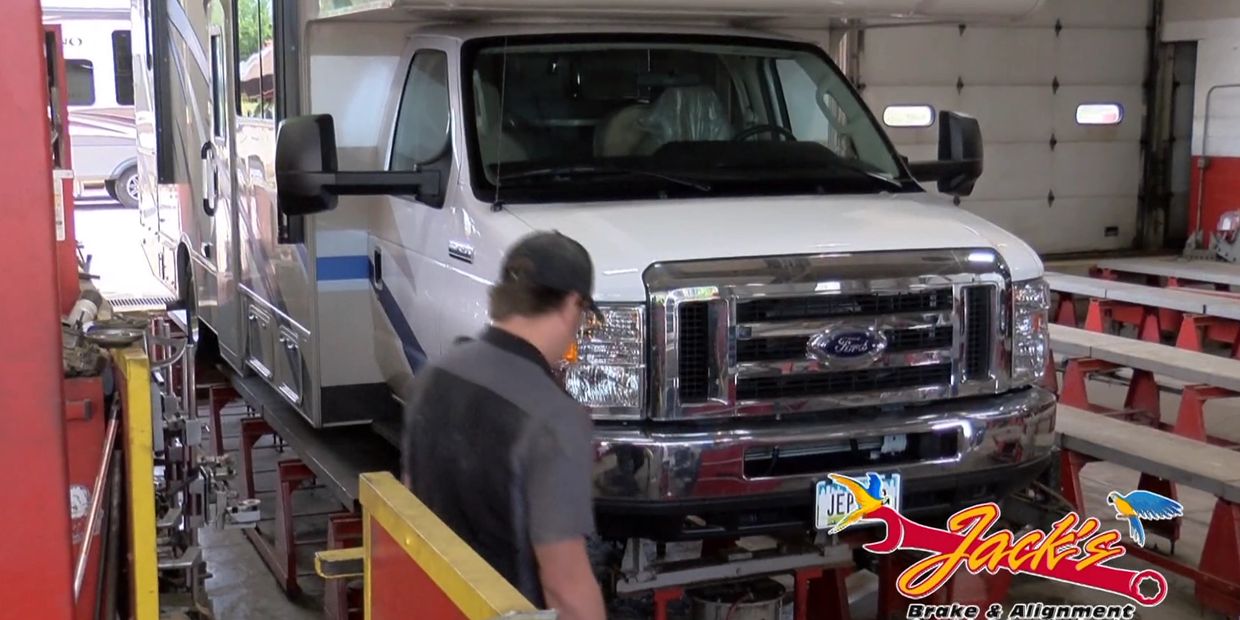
869	498
1139	505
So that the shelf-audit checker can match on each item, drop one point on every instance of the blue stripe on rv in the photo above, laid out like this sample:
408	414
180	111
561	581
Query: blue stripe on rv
335	268
338	268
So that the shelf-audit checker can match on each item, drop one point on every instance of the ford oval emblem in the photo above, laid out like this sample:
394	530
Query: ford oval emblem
847	345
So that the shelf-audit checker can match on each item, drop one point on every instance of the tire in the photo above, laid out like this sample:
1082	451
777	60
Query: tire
125	188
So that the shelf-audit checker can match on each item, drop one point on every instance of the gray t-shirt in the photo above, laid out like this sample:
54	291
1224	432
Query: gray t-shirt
500	453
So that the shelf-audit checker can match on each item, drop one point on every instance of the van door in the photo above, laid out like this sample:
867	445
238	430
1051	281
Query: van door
218	201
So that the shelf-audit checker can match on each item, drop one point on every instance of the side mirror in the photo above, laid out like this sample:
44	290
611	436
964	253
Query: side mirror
960	156
308	182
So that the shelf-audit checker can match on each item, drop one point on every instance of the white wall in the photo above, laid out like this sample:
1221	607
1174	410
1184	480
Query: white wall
1215	26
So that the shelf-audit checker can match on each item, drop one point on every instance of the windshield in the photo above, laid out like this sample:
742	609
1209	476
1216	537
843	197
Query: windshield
620	117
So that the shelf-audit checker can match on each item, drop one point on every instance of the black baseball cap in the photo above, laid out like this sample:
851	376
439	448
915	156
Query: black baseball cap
555	261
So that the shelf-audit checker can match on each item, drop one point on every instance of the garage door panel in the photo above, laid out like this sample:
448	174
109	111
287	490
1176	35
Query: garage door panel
1024	218
1015	171
1101	56
1094	13
1011	113
1007	56
1081	225
899	56
1076	225
1129	129
1098	54
1097	169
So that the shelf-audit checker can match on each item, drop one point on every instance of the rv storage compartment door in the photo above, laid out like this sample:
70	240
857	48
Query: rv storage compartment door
289	372
259	339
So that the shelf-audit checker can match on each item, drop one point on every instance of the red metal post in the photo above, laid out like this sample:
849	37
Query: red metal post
665	597
1191	421
1190	333
1070	464
292	473
36	574
1095	321
1150	330
219	396
252	429
1220	558
344	530
822	594
1065	310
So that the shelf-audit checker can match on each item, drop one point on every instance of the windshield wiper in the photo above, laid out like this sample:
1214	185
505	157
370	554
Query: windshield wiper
592	170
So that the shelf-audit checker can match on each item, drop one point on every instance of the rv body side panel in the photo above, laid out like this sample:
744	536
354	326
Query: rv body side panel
219	206
275	280
181	89
354	72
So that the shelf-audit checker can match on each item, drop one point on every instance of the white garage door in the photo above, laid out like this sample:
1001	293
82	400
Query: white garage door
1060	185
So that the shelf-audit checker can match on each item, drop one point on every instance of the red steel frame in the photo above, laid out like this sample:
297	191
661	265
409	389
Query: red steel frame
340	600
1190	330
36	574
1217	576
281	559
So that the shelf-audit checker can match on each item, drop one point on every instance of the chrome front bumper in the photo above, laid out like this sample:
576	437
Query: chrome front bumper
642	468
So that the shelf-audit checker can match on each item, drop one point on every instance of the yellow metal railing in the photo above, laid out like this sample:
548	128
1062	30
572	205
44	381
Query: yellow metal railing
412	561
135	377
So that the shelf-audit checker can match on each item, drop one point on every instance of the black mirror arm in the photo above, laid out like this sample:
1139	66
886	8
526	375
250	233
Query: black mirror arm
926	171
424	184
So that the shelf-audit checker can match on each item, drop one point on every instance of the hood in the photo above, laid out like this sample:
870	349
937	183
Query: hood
624	238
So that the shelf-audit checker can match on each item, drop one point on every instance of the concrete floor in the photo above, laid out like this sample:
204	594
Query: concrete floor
241	587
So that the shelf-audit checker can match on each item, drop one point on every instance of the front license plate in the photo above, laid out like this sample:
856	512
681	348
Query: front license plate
833	502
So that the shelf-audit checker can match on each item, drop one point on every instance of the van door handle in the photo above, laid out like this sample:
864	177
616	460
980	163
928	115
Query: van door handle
208	178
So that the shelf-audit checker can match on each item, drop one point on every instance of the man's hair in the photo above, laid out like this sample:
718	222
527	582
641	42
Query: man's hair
516	298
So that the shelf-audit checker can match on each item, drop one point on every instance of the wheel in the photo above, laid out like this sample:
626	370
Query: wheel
125	188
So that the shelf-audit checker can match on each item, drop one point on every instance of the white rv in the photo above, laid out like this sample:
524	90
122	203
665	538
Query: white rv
333	184
99	75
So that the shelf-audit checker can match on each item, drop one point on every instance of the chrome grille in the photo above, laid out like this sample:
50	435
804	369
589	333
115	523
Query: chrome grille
842	382
734	337
978	320
793	347
842	305
694	349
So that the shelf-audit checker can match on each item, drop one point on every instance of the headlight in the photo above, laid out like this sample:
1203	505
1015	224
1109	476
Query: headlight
1031	302
606	370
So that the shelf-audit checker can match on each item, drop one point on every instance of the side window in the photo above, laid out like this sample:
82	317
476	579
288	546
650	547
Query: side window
81	81
813	112
422	137
218	96
256	62
806	118
122	59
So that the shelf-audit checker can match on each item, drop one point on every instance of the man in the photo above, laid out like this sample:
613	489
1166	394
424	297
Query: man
497	449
